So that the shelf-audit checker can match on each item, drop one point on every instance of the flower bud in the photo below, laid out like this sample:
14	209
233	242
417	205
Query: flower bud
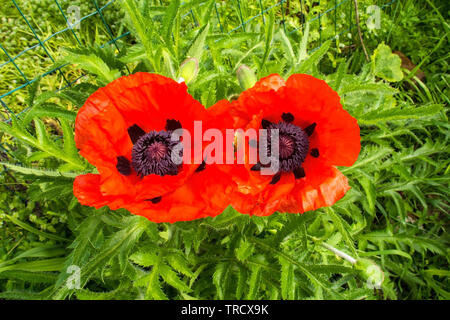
188	70
246	77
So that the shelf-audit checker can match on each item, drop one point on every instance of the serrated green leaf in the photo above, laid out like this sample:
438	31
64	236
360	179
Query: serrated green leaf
180	264
69	142
197	47
169	18
145	259
399	113
39	172
219	278
287	280
244	250
34	230
172	279
254	283
313	59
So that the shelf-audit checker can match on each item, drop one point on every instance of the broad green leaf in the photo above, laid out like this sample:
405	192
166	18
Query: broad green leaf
386	64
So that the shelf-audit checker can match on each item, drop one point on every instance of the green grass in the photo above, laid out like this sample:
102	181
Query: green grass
46	19
395	216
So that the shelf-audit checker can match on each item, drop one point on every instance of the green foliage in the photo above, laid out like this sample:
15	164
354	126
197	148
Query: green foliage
386	65
47	20
392	225
43	142
97	61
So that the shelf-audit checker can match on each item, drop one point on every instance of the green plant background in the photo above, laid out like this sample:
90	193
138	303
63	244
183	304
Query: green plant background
395	217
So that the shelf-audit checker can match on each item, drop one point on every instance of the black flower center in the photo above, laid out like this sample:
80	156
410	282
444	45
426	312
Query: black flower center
293	145
157	150
287	146
152	154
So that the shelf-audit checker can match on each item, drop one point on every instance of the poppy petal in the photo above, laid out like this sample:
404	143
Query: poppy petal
143	102
86	188
202	196
337	133
316	192
333	139
149	100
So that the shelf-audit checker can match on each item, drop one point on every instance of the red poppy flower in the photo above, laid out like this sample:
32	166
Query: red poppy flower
315	135
124	130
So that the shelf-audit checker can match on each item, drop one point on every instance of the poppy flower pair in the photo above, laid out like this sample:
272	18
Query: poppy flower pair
125	130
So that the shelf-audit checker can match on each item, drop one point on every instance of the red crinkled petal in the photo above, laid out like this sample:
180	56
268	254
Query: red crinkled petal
337	132
260	97
86	188
249	181
205	194
101	135
266	201
322	187
310	100
336	136
147	100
